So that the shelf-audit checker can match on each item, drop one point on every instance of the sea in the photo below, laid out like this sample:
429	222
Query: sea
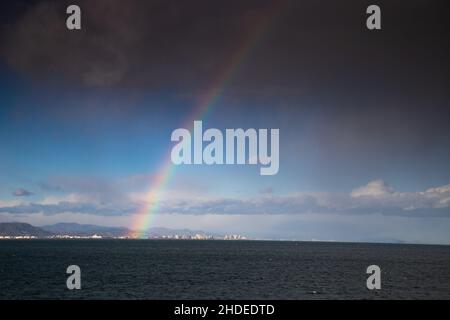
187	269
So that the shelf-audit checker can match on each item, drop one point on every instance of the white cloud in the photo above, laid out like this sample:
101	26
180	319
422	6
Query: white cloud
439	190
376	197
375	188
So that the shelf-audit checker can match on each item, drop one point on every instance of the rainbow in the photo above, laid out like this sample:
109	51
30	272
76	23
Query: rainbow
142	219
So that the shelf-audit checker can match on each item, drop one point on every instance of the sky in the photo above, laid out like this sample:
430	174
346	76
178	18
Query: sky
86	116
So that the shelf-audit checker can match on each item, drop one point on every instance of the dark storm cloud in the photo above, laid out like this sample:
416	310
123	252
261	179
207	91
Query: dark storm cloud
310	51
140	43
355	92
164	44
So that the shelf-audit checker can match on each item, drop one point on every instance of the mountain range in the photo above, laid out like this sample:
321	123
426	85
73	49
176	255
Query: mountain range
75	229
16	229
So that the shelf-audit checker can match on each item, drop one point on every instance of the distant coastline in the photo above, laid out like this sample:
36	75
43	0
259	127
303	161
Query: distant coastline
75	231
25	231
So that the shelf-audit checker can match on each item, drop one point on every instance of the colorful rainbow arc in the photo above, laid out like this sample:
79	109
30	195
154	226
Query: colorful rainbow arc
143	217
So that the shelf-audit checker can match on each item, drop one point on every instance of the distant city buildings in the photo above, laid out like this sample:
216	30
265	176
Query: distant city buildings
183	237
67	236
234	237
18	237
197	236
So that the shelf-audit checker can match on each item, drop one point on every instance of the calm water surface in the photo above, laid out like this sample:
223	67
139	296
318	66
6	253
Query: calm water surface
157	269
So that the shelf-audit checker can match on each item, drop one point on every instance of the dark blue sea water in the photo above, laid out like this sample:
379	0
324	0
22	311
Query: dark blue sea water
154	269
